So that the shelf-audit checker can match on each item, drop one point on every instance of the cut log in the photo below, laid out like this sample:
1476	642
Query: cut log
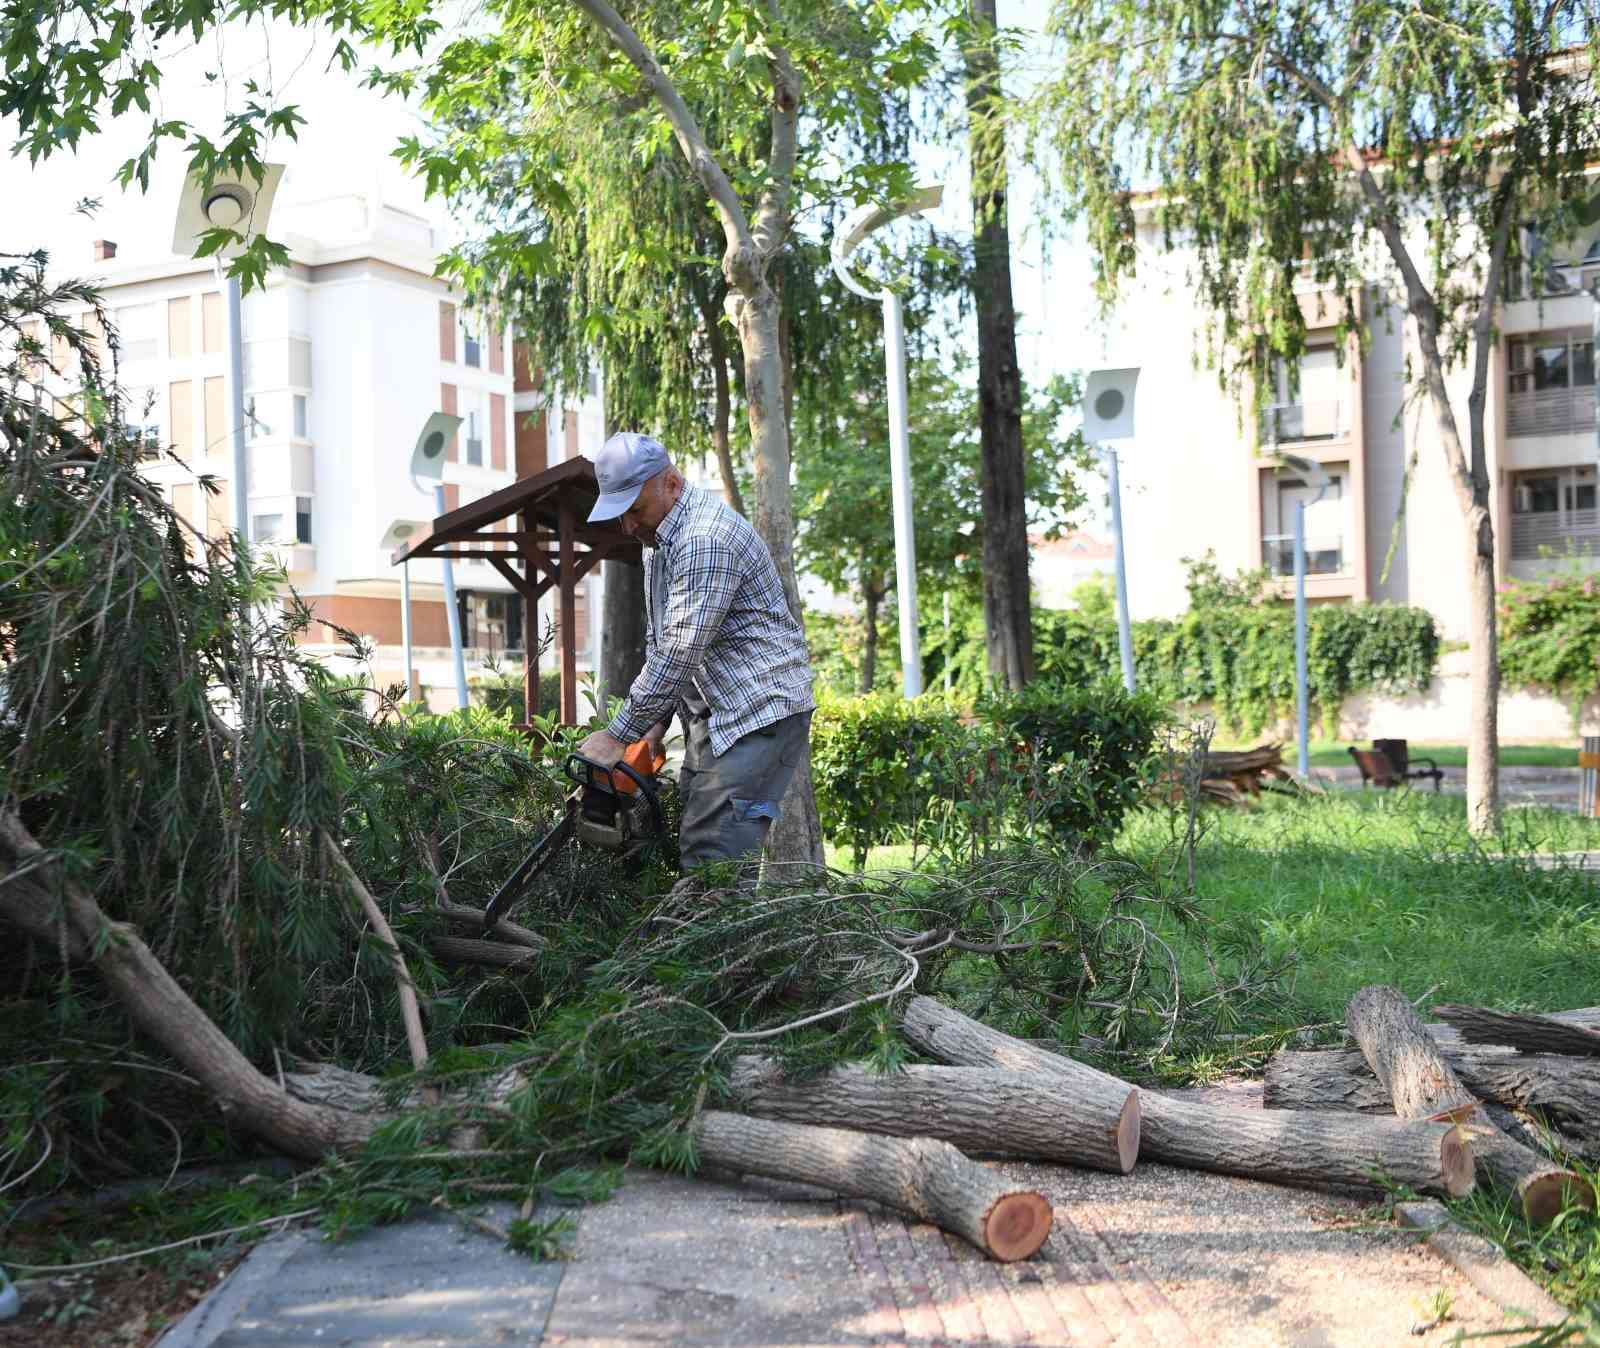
920	1177
1315	1149
1423	1085
1402	1056
1530	1034
1093	1124
1521	1100
491	954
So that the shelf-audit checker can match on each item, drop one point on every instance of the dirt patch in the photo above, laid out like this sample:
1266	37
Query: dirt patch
119	1306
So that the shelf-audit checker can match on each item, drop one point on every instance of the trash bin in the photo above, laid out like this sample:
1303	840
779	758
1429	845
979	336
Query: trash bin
1589	777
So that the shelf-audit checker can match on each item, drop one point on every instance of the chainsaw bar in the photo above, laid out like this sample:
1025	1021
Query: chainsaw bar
533	864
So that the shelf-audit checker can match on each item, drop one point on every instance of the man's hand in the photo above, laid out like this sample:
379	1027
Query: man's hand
654	738
603	748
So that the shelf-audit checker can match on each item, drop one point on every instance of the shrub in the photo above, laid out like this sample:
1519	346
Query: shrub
1233	648
873	763
1550	634
955	778
1090	747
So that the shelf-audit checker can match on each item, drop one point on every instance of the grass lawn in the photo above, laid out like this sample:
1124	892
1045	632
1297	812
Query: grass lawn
1390	888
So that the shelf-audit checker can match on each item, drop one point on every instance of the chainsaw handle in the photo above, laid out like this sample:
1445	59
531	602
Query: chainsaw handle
636	764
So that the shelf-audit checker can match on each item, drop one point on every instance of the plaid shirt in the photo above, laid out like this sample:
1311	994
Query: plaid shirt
715	618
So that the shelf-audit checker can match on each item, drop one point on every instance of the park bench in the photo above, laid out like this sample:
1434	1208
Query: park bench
1389	763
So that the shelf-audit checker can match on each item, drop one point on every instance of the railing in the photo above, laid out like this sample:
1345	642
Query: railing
1533	535
1324	556
1550	411
1325	420
1568	279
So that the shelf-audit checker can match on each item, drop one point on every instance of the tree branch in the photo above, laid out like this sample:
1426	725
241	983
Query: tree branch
409	1011
772	214
53	909
735	225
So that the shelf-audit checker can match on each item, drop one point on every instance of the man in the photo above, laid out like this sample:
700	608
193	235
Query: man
721	649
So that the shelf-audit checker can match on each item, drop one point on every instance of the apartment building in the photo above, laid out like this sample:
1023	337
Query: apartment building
347	351
1205	473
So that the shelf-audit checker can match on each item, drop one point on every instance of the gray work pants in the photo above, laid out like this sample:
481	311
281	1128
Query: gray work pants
729	802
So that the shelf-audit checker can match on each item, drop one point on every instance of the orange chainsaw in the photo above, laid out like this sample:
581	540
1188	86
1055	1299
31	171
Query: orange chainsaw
617	809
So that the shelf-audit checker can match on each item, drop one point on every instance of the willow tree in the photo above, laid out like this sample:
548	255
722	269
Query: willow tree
1310	140
590	235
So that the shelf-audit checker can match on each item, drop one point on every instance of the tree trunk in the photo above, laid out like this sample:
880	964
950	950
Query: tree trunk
871	598
1483	639
622	628
921	1177
1562	1090
1007	606
1093	1124
1309	1149
722	413
1530	1034
1422	1084
159	1007
751	245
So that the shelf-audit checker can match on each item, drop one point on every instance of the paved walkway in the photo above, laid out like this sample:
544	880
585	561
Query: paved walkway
1551	788
1161	1258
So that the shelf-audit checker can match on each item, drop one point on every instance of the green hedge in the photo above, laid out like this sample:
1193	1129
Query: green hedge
1550	634
1071	760
1237	655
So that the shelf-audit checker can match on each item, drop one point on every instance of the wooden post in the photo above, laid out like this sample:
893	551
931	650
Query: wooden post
567	587
530	624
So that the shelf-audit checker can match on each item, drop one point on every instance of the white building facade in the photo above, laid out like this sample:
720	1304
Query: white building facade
1204	474
347	351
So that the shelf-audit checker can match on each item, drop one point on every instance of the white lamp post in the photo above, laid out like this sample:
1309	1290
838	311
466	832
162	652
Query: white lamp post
855	229
395	535
1317	476
242	204
427	465
1108	415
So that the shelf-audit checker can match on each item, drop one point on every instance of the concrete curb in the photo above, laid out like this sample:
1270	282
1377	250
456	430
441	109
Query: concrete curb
1482	1263
215	1313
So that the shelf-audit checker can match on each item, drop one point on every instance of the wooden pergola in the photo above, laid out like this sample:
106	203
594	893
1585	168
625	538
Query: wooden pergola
555	546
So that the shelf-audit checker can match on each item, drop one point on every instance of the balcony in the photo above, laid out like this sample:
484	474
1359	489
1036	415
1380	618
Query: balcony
1542	533
1324	556
1550	411
1293	422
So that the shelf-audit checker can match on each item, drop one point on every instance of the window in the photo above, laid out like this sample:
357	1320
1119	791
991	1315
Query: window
1562	491
300	416
1552	363
1308	395
594	383
471	347
474	441
302	519
136	331
267	529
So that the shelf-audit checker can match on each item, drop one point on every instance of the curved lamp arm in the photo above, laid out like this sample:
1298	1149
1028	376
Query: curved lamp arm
870	217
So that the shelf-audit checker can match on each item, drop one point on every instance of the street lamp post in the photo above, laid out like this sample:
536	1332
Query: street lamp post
242	205
396	534
1107	416
1318	478
427	464
855	229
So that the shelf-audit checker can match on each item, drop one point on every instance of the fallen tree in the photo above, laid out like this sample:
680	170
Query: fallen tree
1315	1149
